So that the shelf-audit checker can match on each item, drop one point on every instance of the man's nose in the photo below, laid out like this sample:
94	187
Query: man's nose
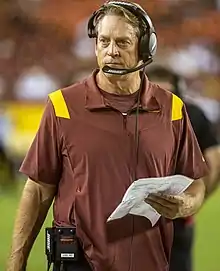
113	49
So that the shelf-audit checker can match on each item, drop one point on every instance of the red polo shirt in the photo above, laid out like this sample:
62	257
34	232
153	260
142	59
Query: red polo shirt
86	147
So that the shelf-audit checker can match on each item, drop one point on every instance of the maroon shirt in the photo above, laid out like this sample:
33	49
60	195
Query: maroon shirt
86	148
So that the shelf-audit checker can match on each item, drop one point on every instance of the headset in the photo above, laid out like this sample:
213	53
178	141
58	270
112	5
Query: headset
148	38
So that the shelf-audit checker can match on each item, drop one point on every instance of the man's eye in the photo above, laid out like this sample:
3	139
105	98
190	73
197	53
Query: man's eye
103	41
123	42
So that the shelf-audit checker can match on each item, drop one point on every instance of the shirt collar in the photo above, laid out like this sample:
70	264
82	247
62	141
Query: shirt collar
95	100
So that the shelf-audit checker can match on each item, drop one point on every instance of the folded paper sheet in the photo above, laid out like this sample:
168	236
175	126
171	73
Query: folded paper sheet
133	200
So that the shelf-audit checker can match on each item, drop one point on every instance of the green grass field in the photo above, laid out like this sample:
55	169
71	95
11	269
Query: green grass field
207	243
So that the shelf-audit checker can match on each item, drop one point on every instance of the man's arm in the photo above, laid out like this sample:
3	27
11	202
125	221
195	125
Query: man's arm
212	180
34	205
186	204
196	194
43	164
190	163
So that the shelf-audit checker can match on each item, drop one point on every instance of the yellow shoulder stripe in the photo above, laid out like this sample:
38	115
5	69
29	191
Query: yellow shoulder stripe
59	104
177	105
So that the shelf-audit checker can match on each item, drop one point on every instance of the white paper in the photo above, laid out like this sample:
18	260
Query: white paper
133	200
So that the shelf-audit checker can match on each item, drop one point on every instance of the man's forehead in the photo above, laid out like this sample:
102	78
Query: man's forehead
116	25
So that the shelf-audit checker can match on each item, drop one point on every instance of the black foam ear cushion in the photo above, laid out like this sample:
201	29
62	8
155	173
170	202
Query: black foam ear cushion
91	27
144	47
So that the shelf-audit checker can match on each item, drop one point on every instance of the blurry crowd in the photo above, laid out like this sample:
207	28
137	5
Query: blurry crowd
44	46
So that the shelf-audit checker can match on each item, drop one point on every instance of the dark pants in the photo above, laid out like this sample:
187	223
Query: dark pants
181	256
73	266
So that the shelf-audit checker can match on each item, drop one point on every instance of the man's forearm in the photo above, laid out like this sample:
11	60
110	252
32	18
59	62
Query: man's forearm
197	191
30	217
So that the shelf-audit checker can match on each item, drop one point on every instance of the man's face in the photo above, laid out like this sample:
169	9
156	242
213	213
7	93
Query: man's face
117	43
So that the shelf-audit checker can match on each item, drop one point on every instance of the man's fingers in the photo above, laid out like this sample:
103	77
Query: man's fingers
177	199
154	204
162	200
157	205
162	210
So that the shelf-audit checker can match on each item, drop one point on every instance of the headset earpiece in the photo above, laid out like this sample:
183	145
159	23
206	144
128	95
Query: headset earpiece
91	26
153	43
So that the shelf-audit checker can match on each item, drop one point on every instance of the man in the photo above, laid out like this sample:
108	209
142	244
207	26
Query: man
86	154
181	256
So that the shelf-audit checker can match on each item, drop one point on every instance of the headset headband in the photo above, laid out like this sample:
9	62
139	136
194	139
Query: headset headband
133	8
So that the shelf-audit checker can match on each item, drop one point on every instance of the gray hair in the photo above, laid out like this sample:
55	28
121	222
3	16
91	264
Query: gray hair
112	9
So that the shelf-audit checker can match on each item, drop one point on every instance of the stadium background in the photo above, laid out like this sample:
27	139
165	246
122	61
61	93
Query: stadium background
43	46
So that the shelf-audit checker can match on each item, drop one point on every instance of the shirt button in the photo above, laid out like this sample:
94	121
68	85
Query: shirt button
78	190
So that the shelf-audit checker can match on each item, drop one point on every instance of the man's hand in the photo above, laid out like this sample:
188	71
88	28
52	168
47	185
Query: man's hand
183	205
172	207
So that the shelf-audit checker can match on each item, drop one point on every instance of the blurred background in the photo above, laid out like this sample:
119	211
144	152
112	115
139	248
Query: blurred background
44	46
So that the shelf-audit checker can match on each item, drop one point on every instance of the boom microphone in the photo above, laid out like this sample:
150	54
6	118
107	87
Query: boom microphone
107	69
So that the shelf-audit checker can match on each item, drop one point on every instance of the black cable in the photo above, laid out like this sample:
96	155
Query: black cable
136	140
137	120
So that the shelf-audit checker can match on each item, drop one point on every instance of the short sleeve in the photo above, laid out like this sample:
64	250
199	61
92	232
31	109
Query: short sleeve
190	161
43	160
